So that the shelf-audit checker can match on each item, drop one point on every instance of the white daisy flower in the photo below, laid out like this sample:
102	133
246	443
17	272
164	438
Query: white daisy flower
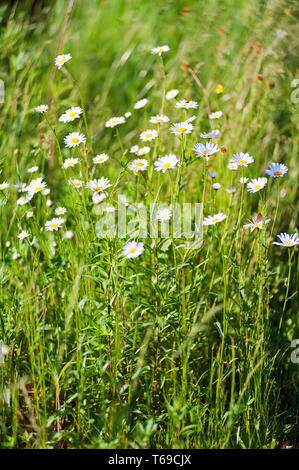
205	150
276	170
257	223
244	180
210	135
215	115
186	104
4	185
115	121
70	162
216	186
180	128
29	214
54	224
214	219
160	49
128	114
98	197
41	108
36	186
148	135
75	183
24	199
15	256
103	157
24	234
46	192
20	187
141	103
138	165
134	149
242	159
213	174
171	94
62	59
71	114
232	166
163	215
98	184
60	211
73	139
133	249
143	151
49	203
256	184
159	118
33	169
166	163
287	240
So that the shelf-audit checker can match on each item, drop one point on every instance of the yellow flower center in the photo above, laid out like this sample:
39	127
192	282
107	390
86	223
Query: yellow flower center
258	186
55	225
75	183
132	250
37	189
148	136
205	153
139	164
62	61
181	129
166	165
100	160
98	188
241	162
159	120
214	221
75	140
163	216
277	173
73	114
288	243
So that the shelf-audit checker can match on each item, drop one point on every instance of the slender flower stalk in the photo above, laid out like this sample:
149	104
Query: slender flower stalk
287	290
276	210
83	109
164	84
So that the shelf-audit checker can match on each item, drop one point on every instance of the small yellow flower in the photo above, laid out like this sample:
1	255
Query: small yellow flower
288	12
219	89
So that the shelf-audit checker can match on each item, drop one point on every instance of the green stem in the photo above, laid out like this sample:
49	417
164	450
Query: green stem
287	291
83	109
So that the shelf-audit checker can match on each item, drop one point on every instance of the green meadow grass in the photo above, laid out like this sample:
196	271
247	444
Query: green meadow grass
176	348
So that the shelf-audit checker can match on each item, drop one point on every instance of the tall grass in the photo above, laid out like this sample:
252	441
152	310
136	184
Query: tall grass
176	348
